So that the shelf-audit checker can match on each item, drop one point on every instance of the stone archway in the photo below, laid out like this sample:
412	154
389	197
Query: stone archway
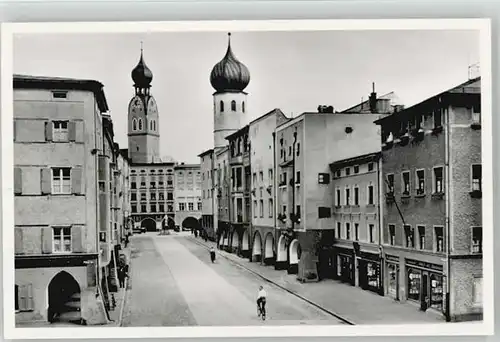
245	244
148	224
282	254
257	247
294	257
64	299
269	249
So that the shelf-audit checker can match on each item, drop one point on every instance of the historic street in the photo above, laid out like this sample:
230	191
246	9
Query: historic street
173	283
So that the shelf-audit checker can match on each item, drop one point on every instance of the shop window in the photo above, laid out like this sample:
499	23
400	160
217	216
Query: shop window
392	234
414	277
477	291
373	275
347	231
405	177
420	182
436	292
356	195
477	239
393	280
409	236
438	180
371	233
438	239
339	230
356	231
421	237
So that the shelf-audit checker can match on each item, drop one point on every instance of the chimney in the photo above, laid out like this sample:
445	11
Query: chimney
373	99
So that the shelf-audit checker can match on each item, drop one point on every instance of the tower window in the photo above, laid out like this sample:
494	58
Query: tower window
221	104
233	106
151	124
243	106
134	124
140	124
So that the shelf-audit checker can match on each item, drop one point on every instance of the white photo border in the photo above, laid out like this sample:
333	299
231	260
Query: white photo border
485	327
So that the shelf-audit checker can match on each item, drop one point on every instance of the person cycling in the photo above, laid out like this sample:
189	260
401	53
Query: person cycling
261	302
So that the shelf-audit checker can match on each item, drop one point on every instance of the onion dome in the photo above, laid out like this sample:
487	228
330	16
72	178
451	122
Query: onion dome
229	74
141	74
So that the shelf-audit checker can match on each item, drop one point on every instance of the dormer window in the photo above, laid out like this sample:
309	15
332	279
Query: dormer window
233	106
59	94
221	105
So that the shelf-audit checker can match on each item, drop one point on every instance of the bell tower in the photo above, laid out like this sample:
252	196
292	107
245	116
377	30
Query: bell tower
143	120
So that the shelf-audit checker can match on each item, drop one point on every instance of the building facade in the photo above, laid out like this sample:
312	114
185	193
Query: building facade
432	231
58	143
222	200
356	254
208	205
187	196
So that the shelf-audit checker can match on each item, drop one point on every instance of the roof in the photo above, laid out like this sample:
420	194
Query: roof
222	150
202	154
153	164
187	166
389	96
275	110
238	133
463	88
62	83
365	158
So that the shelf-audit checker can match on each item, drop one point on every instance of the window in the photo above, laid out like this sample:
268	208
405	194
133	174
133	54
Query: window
356	231
421	237
261	208
337	197
347	196
338	173
438	239
255	208
153	196
61	180
356	195
371	233
356	169
152	185
339	230
61	239
477	291
392	234
143	197
170	196
134	208
60	132
182	206
143	208
438	180
59	94
420	182
243	106
297	180
370	195
233	106
476	115
476	177
16	297
477	239
324	212
153	208
140	124
161	196
347	171
324	178
23	299
370	166
284	210
199	206
162	208
133	196
406	182
409	236
270	172
271	207
390	183
191	206
437	118
298	149
347	231
221	105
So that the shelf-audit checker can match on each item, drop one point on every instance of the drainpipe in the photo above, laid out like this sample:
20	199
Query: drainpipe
293	177
275	196
447	206
96	157
250	224
380	223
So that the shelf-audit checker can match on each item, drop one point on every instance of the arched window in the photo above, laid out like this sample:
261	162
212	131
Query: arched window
243	106
233	106
221	104
154	125
151	124
134	124
140	124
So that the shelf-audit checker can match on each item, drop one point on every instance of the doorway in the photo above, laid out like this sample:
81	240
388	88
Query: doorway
64	299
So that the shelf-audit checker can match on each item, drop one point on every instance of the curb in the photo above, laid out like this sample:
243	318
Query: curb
280	286
120	317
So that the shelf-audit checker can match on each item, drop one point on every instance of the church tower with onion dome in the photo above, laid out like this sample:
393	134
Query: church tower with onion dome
143	123
229	78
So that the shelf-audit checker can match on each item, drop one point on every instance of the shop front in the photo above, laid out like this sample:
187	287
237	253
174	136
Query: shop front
369	272
425	284
345	266
392	271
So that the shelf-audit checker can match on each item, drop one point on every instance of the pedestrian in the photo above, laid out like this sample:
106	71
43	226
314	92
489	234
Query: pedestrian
127	240
195	233
121	276
212	254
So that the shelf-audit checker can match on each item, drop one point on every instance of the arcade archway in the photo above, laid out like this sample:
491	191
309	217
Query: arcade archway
64	299
149	224
257	247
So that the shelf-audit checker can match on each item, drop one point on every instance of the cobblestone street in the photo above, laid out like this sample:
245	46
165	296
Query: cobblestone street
173	283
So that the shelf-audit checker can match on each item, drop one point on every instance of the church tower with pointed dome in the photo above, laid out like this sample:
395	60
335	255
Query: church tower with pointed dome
143	120
229	78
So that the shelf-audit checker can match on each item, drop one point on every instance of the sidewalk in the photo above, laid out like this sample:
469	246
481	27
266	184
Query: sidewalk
117	313
353	304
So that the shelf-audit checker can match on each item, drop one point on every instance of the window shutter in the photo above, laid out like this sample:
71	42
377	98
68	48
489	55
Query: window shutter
18	240
18	181
76	180
46	181
22	298
14	130
46	240
72	131
48	131
80	130
76	239
29	297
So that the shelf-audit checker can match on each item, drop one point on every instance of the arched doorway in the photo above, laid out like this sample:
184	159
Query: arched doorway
235	243
149	224
282	255
257	247
269	249
294	257
245	244
190	223
64	299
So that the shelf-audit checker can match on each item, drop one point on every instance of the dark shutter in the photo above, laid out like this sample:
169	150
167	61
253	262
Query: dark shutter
76	180
46	240
18	181
46	181
77	239
72	131
48	131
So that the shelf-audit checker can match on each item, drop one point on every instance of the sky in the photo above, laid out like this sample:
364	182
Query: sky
295	71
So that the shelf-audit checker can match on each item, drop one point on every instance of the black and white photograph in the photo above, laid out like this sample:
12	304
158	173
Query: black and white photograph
265	178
